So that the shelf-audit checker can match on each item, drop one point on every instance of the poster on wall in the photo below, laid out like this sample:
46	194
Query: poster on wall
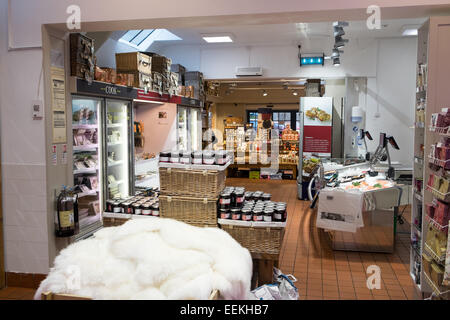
163	117
58	105
318	124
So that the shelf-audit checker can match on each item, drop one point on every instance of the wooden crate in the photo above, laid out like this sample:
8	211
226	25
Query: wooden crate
134	61
200	212
184	182
82	59
264	240
139	79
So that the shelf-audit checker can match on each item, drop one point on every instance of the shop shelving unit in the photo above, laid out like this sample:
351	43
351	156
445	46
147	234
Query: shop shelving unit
417	208
432	94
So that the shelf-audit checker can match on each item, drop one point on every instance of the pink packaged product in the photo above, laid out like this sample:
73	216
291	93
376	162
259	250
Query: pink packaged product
431	180
440	120
430	210
446	141
446	112
441	214
445	153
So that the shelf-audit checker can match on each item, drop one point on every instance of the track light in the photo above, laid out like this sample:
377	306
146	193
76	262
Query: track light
339	42
336	53
338	31
265	93
340	24
336	62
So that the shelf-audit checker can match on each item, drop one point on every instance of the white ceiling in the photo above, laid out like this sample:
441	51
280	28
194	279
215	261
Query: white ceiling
292	33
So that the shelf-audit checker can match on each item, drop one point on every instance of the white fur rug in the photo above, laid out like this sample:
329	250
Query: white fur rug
152	258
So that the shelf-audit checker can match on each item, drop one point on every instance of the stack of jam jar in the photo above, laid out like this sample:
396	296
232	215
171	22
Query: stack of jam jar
237	204
139	204
206	157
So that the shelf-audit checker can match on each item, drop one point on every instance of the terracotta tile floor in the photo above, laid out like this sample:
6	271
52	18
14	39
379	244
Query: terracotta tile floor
323	274
326	274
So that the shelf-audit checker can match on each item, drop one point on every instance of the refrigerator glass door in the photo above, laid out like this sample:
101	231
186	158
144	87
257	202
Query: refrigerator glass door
183	142
87	158
195	126
117	151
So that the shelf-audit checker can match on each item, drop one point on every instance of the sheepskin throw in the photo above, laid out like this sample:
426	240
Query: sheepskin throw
152	259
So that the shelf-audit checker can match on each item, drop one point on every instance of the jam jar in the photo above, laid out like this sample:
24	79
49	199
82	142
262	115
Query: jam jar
268	214
236	214
146	209
208	157
175	157
224	200
282	212
117	208
137	208
155	210
127	208
197	157
266	196
164	156
109	205
257	215
221	157
248	195
239	198
246	214
224	214
185	157
257	195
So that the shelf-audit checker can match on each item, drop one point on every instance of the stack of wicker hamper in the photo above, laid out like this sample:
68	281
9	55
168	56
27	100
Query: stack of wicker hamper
190	195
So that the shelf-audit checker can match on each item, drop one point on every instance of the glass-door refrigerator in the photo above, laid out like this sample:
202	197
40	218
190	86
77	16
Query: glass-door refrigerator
87	159
195	128
189	129
118	151
182	128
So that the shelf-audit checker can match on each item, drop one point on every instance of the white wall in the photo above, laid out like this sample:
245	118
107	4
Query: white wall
23	158
220	61
396	96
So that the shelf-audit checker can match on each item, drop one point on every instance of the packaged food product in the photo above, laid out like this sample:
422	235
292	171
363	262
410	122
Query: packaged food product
164	156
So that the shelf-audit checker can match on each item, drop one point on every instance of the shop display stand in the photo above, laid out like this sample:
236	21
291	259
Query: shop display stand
431	96
417	209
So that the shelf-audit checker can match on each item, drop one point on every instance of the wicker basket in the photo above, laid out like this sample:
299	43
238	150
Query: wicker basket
113	222
257	239
199	212
186	182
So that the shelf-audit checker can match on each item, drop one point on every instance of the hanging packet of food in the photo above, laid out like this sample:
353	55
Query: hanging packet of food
446	281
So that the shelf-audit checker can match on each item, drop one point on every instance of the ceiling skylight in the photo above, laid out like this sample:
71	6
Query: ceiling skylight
143	39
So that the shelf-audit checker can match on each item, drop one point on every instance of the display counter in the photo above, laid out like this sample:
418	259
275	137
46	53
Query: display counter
358	209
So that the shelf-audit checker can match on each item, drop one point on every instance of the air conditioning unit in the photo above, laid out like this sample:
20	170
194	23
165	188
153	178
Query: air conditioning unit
249	71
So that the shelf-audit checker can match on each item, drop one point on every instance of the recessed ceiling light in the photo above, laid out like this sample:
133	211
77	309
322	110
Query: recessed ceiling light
295	93
265	93
217	38
409	30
